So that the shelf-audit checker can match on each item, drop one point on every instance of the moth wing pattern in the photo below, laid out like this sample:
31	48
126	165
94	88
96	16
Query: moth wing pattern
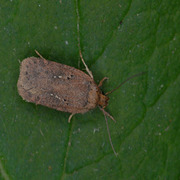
57	86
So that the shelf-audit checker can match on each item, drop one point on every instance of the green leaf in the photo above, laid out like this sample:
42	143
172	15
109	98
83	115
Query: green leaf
118	39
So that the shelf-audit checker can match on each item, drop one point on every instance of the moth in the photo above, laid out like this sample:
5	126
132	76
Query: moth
62	87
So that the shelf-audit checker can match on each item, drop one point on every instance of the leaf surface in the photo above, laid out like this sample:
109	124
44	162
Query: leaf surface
118	39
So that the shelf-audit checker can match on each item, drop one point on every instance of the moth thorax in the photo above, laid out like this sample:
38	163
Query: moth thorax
103	100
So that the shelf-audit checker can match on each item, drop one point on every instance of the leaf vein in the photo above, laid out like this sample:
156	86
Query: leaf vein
3	172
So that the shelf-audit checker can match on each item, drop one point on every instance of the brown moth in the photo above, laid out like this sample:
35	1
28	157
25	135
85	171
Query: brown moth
62	87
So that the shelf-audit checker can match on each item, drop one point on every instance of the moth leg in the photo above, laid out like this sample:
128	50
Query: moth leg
101	82
87	69
69	119
39	54
106	113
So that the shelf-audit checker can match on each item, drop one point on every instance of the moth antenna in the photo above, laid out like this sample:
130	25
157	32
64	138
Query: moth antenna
131	77
109	134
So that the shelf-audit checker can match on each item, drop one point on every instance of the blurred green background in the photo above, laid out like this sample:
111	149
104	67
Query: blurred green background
118	39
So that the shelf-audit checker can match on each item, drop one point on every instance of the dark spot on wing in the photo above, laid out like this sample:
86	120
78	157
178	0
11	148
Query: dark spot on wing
37	98
29	94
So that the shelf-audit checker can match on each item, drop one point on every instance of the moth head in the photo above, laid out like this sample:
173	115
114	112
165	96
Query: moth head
103	100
